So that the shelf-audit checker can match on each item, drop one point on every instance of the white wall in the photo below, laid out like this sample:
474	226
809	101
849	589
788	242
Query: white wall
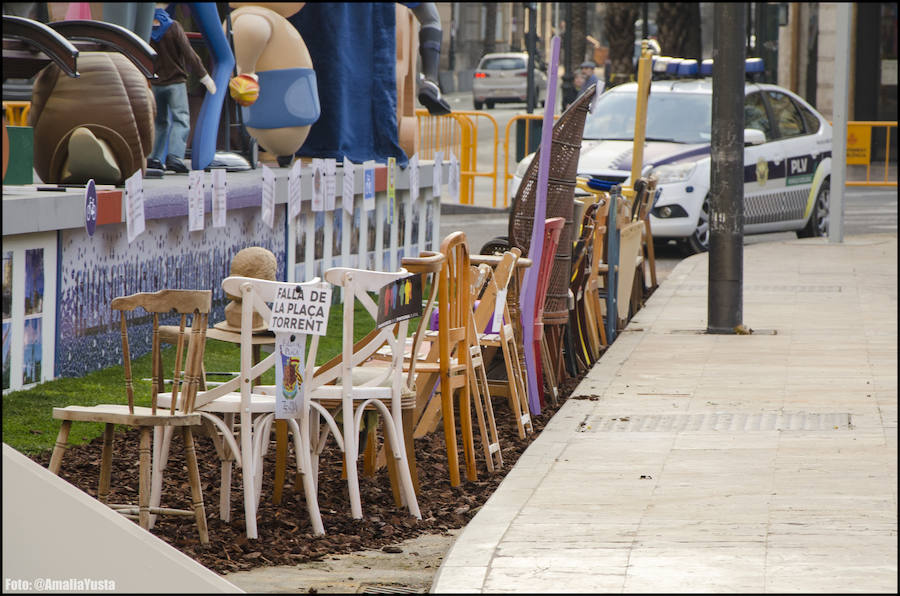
52	530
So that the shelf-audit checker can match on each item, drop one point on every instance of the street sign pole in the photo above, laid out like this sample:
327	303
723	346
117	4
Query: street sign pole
839	127
726	196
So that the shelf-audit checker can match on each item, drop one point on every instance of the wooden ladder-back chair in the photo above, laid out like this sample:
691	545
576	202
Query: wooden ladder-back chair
189	361
493	309
484	410
549	362
449	359
345	385
564	153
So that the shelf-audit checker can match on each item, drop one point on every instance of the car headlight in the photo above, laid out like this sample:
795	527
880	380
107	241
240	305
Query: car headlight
523	165
674	173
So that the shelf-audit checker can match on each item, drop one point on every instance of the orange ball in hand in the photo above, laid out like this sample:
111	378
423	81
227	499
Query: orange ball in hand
244	89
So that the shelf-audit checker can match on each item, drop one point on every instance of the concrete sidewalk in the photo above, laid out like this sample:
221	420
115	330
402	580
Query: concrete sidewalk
687	462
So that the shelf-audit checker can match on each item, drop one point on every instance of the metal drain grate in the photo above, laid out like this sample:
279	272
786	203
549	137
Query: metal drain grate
719	421
389	589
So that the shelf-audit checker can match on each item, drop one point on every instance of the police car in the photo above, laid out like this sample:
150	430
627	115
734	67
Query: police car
787	153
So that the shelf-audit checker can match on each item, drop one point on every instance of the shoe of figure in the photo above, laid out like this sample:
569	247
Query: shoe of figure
175	165
430	97
154	164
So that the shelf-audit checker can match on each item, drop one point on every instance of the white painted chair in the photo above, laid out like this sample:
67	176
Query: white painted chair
351	388
255	410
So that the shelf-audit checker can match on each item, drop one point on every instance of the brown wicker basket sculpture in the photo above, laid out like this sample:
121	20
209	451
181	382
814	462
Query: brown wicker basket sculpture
564	152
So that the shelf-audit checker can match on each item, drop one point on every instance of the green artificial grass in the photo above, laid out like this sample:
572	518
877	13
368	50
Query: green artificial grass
28	424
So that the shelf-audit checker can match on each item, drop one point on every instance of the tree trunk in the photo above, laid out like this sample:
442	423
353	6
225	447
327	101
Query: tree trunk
619	26
579	31
679	29
490	27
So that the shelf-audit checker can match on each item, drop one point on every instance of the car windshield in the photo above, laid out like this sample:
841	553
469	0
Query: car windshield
673	117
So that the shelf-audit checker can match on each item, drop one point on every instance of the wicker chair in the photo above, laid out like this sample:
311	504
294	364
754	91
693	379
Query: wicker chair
564	152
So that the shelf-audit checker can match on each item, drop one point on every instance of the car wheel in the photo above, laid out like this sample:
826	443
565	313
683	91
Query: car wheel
699	241
495	246
818	219
479	105
489	104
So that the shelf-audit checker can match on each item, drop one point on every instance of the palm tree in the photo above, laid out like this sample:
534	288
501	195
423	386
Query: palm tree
619	27
579	32
679	29
490	27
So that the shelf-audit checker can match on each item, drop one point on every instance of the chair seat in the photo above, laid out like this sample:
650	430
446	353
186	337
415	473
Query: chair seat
119	414
230	403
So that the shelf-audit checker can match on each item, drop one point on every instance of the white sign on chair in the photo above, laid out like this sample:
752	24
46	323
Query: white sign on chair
296	311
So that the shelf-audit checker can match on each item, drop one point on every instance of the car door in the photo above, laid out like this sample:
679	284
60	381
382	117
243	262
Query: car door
800	159
763	169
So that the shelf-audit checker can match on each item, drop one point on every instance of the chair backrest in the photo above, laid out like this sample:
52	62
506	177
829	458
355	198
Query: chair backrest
357	284
454	298
428	266
552	229
598	251
184	302
496	285
255	295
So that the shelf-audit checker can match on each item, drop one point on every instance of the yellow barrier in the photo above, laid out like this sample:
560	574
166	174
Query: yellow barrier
458	132
17	112
859	150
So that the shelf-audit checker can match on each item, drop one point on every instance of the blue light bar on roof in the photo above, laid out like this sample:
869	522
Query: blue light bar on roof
751	65
672	67
687	68
754	65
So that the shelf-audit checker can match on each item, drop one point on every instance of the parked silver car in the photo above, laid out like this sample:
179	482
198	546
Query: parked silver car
503	78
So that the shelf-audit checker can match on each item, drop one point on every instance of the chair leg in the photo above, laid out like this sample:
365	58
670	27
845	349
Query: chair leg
522	412
449	431
162	439
408	416
484	411
465	427
304	455
227	468
351	454
59	450
144	479
391	463
106	463
248	473
281	440
190	456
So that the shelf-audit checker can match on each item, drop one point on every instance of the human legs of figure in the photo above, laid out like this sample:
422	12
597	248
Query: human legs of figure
430	51
171	99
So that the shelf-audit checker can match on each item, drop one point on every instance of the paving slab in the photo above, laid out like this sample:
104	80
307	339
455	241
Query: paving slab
717	463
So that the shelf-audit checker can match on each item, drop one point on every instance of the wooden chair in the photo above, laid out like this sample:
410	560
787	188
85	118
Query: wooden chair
581	326
493	308
347	386
479	387
184	302
548	360
448	361
597	277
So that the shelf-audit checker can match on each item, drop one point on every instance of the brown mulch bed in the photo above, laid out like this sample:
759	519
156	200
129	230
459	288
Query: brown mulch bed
285	535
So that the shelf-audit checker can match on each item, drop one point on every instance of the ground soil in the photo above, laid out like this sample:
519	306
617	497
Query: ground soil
285	536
